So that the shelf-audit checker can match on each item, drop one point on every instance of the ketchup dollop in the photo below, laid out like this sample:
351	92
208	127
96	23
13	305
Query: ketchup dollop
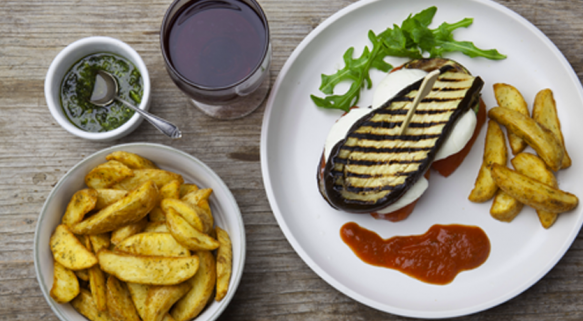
435	257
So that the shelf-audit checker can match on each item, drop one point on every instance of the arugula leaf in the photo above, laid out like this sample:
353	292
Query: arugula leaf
410	40
355	70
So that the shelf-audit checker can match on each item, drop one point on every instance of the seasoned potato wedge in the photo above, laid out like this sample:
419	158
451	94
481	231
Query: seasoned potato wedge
153	270
81	203
84	304
129	209
187	235
161	298
171	190
106	197
509	97
131	160
202	286
544	112
123	233
99	241
97	287
185	210
139	294
224	263
532	192
82	275
157	215
69	251
158	176
539	138
65	284
107	174
494	152
153	244
198	200
119	302
159	227
187	188
505	207
533	167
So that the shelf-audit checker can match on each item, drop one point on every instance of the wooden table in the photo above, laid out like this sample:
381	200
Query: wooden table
35	152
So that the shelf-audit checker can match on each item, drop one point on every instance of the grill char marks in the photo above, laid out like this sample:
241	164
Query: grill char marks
374	165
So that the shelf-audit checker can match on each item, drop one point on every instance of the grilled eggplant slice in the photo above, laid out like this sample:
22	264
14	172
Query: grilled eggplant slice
374	166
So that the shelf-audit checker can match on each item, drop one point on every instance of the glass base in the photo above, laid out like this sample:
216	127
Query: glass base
239	108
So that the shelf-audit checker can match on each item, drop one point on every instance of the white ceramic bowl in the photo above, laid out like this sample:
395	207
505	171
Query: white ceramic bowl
73	53
224	208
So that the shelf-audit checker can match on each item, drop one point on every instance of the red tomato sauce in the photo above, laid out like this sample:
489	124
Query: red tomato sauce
435	257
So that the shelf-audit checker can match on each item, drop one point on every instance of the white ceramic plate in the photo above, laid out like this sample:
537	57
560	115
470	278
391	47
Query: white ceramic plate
293	135
224	207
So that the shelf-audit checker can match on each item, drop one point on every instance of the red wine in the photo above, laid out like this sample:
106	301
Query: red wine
216	43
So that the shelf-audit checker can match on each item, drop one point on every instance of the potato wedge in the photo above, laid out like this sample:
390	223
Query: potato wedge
131	160
202	286
198	200
99	241
533	167
505	207
129	209
544	112
97	287
161	298
65	284
187	235
538	137
185	210
82	275
157	215
495	151
187	188
159	227
119	302
158	176
69	251
224	263
123	233
107	174
153	244
84	304
509	97
153	270
81	203
532	192
106	197
171	190
139	294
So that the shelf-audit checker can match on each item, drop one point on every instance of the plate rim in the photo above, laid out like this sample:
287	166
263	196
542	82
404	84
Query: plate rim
294	242
36	251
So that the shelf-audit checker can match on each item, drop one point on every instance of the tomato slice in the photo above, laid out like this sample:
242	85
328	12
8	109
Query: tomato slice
448	165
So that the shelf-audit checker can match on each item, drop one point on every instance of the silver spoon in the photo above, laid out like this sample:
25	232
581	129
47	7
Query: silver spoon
105	92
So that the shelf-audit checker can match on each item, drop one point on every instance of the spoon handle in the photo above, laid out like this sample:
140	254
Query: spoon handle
167	128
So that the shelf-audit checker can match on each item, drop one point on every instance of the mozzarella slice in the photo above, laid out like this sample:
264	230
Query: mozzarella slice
393	83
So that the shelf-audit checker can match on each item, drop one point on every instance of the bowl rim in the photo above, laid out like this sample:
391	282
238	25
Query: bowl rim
54	105
235	277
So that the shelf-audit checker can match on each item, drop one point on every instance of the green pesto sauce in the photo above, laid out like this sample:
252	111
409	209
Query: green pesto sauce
77	87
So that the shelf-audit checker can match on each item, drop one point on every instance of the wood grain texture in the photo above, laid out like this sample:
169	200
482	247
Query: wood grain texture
35	152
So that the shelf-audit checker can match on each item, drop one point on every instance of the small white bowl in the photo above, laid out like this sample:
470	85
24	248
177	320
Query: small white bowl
69	56
224	207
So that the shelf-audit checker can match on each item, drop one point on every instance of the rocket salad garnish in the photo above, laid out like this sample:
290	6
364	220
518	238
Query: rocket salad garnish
411	40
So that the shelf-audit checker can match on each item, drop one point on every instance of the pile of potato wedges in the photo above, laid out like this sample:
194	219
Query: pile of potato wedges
532	182
139	244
